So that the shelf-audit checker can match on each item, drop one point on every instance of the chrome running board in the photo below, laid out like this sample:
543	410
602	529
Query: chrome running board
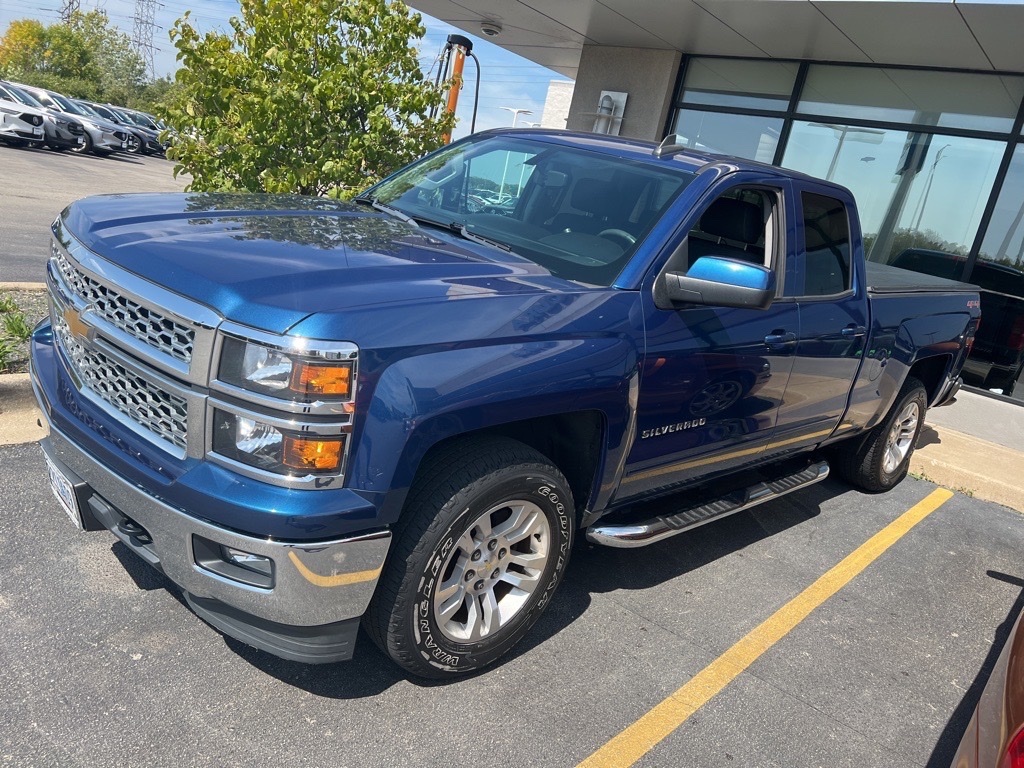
650	531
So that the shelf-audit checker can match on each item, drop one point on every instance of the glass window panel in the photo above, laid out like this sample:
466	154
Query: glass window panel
921	97
1004	240
824	266
748	136
739	83
997	359
920	196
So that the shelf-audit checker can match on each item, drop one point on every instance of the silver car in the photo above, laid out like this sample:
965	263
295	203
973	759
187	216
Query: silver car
101	136
62	131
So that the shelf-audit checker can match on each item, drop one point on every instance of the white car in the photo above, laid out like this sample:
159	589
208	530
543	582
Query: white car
20	124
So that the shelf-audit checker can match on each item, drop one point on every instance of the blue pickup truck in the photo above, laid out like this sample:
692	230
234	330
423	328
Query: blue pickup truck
400	412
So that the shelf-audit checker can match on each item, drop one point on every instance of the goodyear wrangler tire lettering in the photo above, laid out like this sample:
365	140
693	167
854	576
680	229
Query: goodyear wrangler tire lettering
485	545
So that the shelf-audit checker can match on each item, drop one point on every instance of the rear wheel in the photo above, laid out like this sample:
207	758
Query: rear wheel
485	542
880	460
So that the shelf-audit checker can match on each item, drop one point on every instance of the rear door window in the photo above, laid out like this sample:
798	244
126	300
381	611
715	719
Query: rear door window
823	267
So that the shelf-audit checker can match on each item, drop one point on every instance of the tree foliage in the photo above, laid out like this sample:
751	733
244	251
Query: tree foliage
309	96
86	57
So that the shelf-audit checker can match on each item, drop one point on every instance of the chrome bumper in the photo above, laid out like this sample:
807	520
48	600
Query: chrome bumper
314	583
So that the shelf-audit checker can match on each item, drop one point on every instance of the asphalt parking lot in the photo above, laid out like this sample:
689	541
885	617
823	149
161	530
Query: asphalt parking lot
101	664
38	183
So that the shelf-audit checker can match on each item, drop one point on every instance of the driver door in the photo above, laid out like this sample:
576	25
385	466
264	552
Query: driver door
713	378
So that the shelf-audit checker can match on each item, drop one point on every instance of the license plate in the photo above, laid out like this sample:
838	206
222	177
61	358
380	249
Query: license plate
124	145
81	139
64	492
37	131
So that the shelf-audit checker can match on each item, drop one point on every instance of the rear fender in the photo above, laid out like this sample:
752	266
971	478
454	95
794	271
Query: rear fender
933	346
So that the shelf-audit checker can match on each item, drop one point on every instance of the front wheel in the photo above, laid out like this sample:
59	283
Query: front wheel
85	147
881	460
484	544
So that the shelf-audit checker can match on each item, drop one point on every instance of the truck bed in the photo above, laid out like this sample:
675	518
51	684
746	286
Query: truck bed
886	279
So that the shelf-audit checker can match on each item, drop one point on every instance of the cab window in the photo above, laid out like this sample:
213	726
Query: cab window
741	224
823	269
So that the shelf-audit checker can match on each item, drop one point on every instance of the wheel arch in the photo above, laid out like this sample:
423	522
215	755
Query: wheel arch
931	371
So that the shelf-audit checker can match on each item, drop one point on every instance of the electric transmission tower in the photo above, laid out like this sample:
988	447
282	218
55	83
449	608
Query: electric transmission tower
68	7
142	34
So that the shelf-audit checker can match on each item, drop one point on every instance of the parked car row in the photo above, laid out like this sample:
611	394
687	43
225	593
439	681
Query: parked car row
35	116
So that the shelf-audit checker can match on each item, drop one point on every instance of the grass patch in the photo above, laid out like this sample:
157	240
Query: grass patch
19	312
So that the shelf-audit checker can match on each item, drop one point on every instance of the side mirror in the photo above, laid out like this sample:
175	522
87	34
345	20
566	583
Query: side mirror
717	281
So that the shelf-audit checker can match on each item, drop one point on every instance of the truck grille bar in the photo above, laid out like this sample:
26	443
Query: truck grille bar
160	412
146	324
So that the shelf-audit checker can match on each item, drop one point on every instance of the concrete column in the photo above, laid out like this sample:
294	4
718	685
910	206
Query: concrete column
646	74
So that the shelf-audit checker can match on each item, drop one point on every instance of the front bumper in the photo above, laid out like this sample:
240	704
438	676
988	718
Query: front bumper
28	133
308	612
108	142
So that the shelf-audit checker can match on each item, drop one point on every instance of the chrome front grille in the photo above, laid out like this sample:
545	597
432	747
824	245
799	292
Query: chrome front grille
143	402
146	324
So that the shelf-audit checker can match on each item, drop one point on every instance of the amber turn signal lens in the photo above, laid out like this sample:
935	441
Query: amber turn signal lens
310	379
310	453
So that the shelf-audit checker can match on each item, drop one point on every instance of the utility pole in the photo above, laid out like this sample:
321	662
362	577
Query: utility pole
68	8
142	33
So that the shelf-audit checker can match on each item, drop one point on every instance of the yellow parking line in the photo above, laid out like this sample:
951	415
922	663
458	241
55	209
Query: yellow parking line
639	738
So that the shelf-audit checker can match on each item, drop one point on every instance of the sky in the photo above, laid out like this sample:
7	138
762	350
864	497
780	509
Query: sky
507	80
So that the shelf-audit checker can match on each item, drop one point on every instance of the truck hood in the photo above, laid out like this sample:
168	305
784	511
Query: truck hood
268	261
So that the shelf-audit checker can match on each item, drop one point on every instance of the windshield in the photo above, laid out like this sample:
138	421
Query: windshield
88	110
576	212
25	98
65	105
126	117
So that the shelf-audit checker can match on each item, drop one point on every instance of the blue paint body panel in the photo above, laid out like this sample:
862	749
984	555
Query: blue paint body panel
456	336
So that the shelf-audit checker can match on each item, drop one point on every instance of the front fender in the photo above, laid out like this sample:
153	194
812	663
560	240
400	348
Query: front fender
421	400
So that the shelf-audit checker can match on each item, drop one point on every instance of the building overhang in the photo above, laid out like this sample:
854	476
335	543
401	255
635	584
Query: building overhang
924	33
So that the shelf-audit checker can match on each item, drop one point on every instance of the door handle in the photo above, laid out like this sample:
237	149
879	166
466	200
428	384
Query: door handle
853	331
779	338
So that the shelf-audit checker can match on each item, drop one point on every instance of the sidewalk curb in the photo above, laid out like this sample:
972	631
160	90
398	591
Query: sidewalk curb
19	415
971	465
22	286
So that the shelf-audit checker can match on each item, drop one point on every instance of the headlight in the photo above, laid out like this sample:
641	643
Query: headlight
305	377
271	448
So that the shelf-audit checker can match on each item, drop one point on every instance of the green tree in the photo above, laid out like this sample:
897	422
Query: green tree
86	57
309	96
22	46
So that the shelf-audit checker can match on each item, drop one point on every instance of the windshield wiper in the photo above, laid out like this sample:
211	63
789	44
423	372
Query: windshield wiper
474	237
373	202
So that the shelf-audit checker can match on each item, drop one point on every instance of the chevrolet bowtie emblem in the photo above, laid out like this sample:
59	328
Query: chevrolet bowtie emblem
80	329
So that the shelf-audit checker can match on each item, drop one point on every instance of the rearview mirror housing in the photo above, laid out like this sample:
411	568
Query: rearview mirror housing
718	281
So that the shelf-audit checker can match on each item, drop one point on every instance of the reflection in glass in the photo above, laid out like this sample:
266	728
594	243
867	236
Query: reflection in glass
920	196
753	84
921	97
997	361
748	136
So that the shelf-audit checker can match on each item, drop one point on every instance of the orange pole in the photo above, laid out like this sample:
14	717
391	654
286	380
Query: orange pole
453	94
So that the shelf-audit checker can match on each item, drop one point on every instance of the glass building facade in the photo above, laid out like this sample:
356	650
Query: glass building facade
935	159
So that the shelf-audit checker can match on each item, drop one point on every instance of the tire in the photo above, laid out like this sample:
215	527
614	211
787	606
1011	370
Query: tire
84	148
134	145
881	459
489	524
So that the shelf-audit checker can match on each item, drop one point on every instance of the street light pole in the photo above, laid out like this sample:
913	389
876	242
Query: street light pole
516	112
